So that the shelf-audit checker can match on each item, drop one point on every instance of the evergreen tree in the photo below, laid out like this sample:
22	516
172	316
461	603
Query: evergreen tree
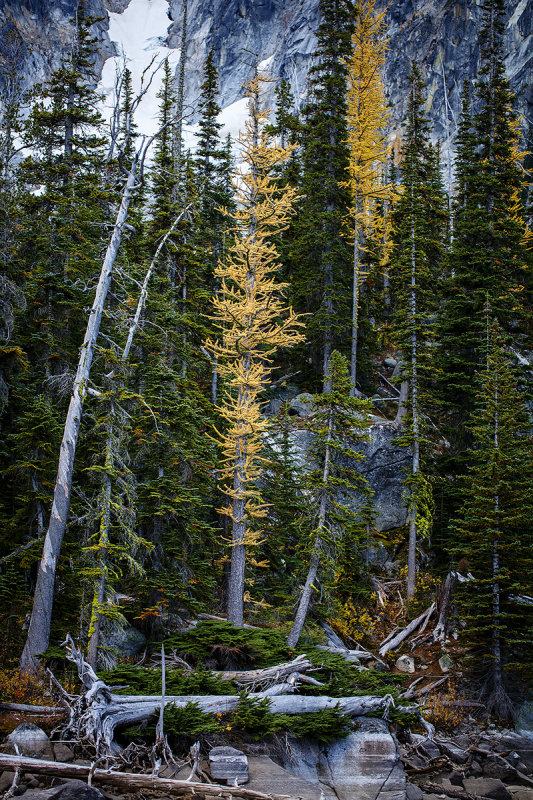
488	260
420	222
339	422
494	530
320	264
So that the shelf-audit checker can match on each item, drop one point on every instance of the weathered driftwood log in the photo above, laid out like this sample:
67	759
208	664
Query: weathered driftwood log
348	655
407	631
128	780
276	674
28	709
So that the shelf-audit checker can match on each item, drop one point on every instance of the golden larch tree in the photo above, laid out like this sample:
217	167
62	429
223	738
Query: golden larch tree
254	321
367	121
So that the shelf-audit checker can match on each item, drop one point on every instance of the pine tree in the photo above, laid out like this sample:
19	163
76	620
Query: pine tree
320	263
420	222
494	530
339	422
488	261
367	121
254	323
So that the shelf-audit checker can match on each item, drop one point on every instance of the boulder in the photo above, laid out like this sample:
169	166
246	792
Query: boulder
390	362
446	663
405	664
6	779
496	767
487	787
413	792
268	777
30	740
365	765
521	792
426	746
524	720
73	790
302	404
63	753
455	753
125	642
520	745
228	764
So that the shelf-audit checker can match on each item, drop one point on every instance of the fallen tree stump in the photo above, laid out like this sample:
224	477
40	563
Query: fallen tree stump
129	780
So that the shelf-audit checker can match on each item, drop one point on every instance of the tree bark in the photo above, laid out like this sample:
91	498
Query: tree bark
305	599
39	629
413	516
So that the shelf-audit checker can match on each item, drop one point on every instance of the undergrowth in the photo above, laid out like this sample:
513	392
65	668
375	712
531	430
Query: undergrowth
143	680
221	645
252	719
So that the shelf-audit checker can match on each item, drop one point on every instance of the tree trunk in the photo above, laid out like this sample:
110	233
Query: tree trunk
39	629
238	549
305	599
129	781
355	307
411	555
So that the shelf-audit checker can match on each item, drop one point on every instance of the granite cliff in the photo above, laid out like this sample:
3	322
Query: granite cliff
439	34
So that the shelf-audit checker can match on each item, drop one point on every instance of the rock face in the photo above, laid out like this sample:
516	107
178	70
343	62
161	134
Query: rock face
364	766
524	720
384	465
439	35
127	641
46	29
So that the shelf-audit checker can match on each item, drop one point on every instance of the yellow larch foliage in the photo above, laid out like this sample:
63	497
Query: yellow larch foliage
368	115
254	321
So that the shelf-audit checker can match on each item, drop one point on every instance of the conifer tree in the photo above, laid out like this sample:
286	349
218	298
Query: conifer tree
420	222
488	260
339	422
253	322
367	120
494	531
321	258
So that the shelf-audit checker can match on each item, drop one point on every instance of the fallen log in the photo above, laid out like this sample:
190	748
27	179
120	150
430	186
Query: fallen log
407	631
255	677
348	655
98	712
29	709
129	780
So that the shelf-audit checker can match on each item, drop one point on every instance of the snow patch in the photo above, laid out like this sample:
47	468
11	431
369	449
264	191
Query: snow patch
263	66
139	33
233	118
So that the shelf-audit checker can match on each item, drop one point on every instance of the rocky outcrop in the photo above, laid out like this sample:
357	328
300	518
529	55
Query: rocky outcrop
46	30
440	36
385	465
364	766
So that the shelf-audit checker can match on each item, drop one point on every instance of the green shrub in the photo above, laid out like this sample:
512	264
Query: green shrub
143	680
254	717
